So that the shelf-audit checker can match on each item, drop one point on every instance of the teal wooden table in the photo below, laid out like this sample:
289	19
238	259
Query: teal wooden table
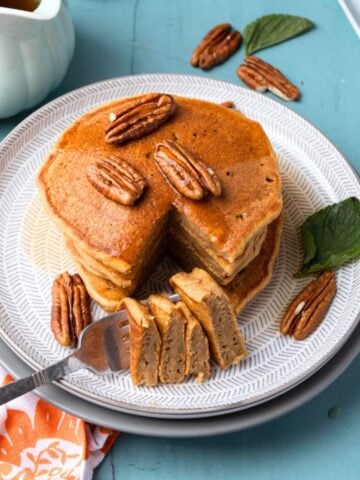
122	37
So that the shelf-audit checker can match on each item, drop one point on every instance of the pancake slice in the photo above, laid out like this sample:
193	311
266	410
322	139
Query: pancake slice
211	306
197	347
145	343
171	322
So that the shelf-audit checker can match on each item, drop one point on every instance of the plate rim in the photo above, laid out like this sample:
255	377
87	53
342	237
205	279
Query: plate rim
149	411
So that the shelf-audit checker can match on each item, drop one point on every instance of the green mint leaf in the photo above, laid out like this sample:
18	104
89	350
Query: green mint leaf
309	246
272	29
331	237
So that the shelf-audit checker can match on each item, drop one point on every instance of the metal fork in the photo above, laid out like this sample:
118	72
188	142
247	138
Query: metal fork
103	348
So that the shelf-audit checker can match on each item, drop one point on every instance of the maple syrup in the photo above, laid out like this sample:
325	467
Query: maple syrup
27	5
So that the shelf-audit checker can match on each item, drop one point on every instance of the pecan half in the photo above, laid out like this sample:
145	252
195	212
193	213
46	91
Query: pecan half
228	104
139	116
184	172
308	309
70	311
262	76
217	45
117	180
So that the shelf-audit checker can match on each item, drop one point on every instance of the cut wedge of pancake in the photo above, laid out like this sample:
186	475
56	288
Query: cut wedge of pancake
171	323
197	347
145	343
211	306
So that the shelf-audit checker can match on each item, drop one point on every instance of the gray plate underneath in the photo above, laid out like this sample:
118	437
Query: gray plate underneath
192	428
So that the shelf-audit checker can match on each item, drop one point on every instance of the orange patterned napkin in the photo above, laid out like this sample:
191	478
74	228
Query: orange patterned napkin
39	441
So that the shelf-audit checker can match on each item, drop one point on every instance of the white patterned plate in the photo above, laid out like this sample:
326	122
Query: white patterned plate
32	253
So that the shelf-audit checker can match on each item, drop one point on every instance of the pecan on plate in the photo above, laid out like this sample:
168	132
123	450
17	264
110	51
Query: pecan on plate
70	311
117	180
139	116
307	310
184	172
228	104
262	76
217	45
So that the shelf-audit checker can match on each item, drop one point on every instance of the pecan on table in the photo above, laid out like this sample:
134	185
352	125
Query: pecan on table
139	116
70	311
184	172
217	45
308	309
262	76
117	180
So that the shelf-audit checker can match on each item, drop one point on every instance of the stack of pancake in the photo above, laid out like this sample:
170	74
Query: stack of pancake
235	236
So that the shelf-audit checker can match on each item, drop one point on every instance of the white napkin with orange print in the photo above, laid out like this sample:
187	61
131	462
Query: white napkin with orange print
39	441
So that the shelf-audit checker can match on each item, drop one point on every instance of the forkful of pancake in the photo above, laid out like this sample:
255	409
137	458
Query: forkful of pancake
162	339
169	338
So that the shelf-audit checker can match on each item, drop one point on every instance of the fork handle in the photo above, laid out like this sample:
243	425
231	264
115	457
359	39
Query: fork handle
24	385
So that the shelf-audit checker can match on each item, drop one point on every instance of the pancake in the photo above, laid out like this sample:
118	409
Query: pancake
123	238
197	347
103	291
189	253
145	343
96	267
256	276
208	302
171	322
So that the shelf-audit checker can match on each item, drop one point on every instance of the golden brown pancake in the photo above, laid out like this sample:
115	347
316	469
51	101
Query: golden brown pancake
96	267
235	147
126	281
103	291
256	276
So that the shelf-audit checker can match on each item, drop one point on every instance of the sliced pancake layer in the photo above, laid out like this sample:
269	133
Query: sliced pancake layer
197	347
103	291
211	306
145	343
189	252
171	324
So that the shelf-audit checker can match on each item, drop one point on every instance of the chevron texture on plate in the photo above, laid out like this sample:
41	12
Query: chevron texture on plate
32	253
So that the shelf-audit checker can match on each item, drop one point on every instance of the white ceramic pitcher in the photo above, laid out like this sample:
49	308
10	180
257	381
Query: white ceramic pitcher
35	52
